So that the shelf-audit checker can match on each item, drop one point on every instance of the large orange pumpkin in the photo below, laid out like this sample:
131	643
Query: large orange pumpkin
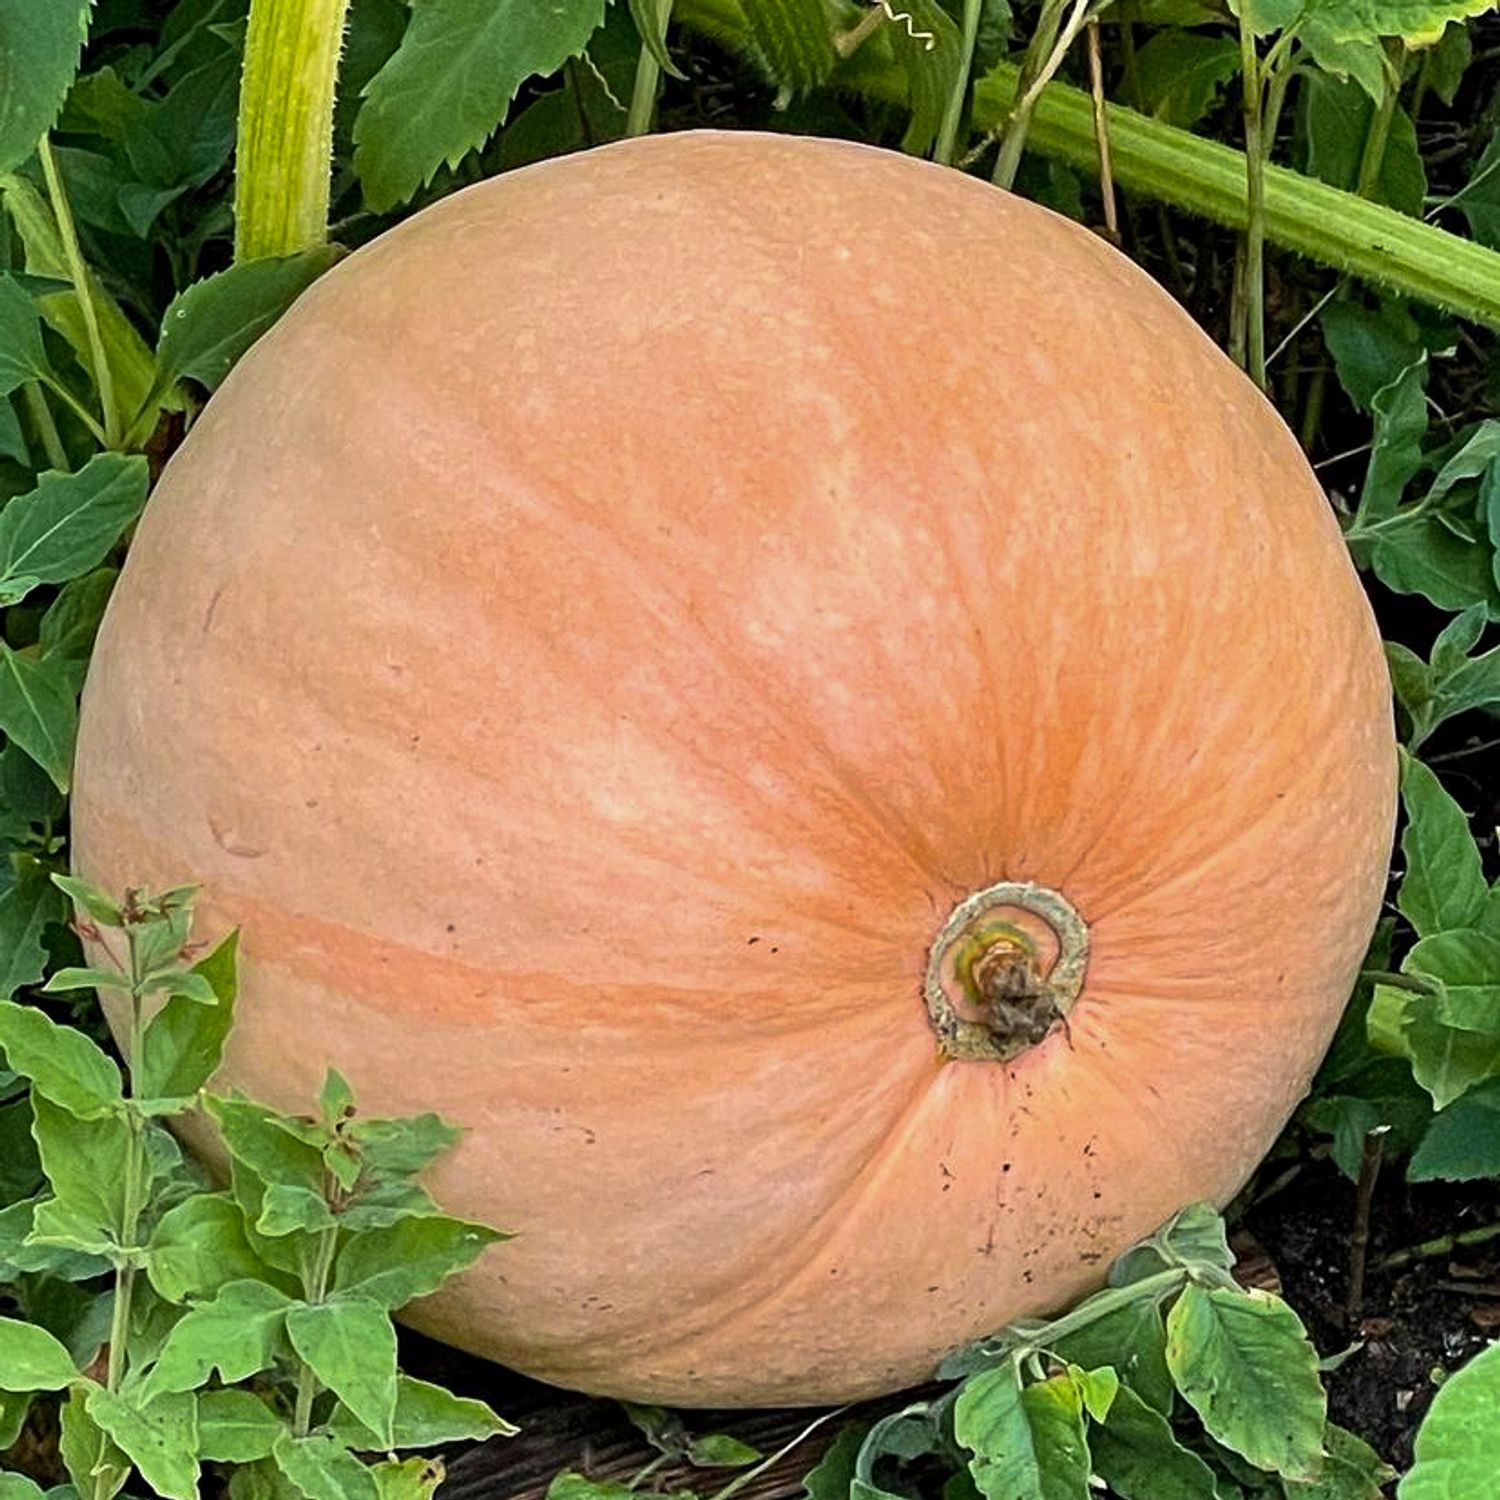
799	698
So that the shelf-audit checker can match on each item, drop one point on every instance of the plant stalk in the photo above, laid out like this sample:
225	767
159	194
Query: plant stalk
46	427
647	76
947	138
284	156
104	380
1254	284
317	1292
1049	45
1444	1244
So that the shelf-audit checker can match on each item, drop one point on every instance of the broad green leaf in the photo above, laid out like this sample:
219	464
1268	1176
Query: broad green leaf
1362	60
408	1478
62	1063
260	1140
86	1164
211	324
1420	23
402	1146
236	1334
322	1469
39	50
1194	1238
29	904
1371	348
719	1450
1463	1141
14	1407
95	1465
286	1209
160	1436
1446	1061
1457	1447
1244	1363
926	43
1467	965
1267	16
1400	411
68	523
39	709
198	1247
351	1347
72	619
1181	74
1444	886
236	1427
570	1485
1028	1443
1352	1470
184	1042
22	356
1097	1389
1337	121
20	1166
1382	1093
31	1359
451	83
1419	553
1134	1340
409	1259
1478	454
650	17
12	440
90	899
1136	1452
794	40
1479	201
426	1415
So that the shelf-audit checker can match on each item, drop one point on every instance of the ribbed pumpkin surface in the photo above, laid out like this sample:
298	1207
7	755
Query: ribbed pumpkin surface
599	636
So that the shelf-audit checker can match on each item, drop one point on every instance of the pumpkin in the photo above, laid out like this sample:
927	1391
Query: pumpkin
798	698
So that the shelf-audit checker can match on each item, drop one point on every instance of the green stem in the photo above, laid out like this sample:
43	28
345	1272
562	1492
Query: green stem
46	427
1372	159
647	76
1376	244
1445	1244
947	138
1255	206
748	1476
1153	1287
1044	56
316	1286
78	274
284	156
80	411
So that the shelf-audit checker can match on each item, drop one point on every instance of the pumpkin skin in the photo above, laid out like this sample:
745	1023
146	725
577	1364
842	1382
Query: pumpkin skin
594	641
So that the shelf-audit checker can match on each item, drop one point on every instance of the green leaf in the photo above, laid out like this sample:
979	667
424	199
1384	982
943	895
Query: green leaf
927	45
1400	411
1267	16
1028	1443
1362	60
650	17
1419	552
832	1477
409	1259
1446	1061
72	619
1466	965
211	324
14	1408
20	1166
68	523
159	1436
1457	1447
90	899
1444	885
1338	119
1351	1471
1134	1340
322	1469
198	1247
1463	1141
63	1065
1479	201
1417	22
184	1042
260	1140
95	1465
718	1450
39	709
1244	1363
236	1427
794	41
22	356
288	1210
32	1360
236	1334
1136	1452
85	1161
40	45
402	1147
407	1478
29	904
1182	72
351	1347
451	82
1370	348
426	1415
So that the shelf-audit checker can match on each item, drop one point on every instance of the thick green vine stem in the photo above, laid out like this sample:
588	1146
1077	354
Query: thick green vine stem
993	990
284	154
1377	244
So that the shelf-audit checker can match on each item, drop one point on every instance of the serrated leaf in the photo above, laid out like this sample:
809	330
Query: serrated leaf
1181	74
1456	1450
1136	1452
39	51
68	523
351	1347
451	83
426	1416
1444	884
29	904
1419	23
794	41
31	1359
159	1436
1463	1142
1028	1442
1243	1362
321	1469
184	1041
409	1259
64	1065
236	1427
237	1334
22	356
211	324
39	710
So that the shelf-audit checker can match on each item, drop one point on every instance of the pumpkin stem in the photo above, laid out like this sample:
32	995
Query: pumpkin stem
1005	971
